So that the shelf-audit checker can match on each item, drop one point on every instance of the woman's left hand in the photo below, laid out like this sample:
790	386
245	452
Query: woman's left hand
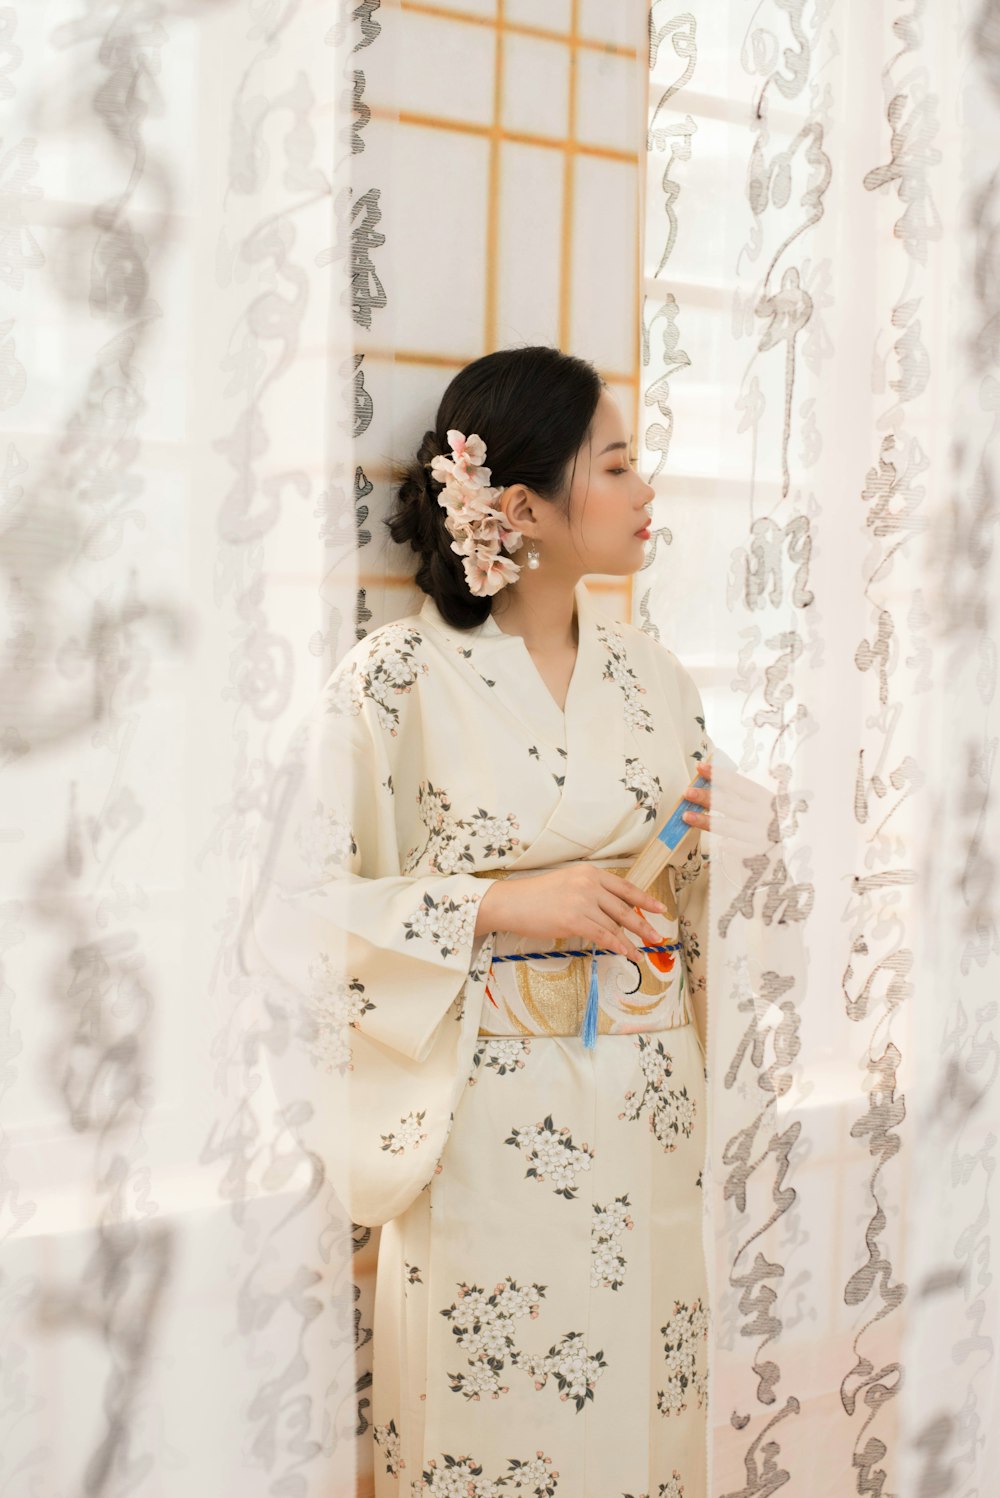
746	813
703	795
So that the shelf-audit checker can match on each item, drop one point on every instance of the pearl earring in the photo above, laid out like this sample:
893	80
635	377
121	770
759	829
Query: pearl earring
532	555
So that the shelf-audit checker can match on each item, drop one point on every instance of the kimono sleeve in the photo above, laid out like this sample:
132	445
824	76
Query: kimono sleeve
369	968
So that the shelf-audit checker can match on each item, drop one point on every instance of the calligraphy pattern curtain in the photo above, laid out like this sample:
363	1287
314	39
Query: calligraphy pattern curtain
246	243
820	389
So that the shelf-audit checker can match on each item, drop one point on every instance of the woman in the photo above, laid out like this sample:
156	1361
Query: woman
475	782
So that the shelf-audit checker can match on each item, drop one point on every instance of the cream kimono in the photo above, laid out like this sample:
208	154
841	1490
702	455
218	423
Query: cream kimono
541	1305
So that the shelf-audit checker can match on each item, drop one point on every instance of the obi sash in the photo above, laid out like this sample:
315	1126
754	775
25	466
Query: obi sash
547	996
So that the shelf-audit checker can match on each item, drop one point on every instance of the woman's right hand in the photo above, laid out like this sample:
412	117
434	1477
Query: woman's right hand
580	900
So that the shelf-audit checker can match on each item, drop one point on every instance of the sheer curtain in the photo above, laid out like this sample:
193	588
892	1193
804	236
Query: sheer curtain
246	243
246	246
175	1284
820	389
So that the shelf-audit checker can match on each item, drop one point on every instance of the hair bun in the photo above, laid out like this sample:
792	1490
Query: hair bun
429	449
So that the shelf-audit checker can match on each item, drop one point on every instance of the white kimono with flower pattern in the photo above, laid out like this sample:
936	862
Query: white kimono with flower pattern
541	1304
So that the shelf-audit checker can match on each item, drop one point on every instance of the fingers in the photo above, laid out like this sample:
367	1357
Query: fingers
609	936
627	908
630	893
626	915
617	900
703	795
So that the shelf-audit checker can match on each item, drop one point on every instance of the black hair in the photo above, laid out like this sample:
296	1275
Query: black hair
533	408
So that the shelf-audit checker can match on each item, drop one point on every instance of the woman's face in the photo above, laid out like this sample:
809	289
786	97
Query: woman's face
607	506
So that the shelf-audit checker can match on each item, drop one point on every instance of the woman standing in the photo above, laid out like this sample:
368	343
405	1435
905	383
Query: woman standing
474	784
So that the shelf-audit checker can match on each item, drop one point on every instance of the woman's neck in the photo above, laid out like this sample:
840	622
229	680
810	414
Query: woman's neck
542	612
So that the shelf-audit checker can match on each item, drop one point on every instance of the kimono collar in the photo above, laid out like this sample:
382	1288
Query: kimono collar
504	663
588	733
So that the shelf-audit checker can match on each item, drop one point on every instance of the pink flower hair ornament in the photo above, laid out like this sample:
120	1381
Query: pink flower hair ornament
478	526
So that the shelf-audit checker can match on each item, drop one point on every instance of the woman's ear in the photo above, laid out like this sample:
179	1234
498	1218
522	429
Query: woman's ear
518	505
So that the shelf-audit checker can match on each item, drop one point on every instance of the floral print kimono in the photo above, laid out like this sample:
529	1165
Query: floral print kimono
541	1300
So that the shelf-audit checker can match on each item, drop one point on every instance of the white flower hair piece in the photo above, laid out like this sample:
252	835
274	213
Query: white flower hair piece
473	519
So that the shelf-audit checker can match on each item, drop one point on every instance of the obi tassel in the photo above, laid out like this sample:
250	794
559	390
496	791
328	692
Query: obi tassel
589	1031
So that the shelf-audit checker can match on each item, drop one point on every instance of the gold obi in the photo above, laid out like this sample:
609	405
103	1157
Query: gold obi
548	995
